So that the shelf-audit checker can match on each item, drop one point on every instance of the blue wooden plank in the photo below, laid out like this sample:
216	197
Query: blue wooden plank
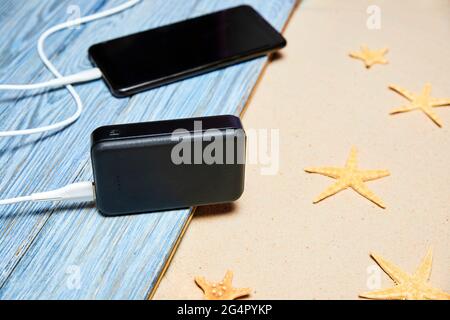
19	63
44	247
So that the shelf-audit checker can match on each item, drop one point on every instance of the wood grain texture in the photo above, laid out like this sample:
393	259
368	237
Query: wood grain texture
44	246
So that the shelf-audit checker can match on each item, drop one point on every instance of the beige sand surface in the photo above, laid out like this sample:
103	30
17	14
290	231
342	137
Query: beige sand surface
323	102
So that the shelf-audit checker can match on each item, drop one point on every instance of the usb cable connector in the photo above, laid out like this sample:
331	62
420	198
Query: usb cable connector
83	76
78	192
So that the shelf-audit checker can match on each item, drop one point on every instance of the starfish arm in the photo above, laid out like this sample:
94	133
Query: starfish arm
408	95
436	294
423	272
369	175
361	56
426	91
363	190
356	55
228	279
433	116
352	158
435	102
331	172
402	109
394	272
333	189
380	56
240	292
202	283
394	293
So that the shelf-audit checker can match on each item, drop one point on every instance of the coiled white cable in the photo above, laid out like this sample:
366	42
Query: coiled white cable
61	80
80	191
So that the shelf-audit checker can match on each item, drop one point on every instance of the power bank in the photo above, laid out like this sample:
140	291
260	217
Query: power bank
163	165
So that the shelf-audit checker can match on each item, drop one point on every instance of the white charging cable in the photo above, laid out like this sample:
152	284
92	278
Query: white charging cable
60	80
80	191
82	76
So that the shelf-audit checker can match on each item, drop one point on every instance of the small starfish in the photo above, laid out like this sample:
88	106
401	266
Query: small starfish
222	290
370	57
350	176
408	287
421	101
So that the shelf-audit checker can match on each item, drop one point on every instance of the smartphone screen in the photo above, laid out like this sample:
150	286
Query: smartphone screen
166	54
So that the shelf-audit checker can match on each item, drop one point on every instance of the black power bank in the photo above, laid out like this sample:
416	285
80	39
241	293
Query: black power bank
162	165
173	52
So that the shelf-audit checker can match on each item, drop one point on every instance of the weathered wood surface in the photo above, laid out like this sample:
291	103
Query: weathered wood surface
46	248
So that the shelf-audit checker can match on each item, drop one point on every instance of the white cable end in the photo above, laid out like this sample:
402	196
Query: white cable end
82	76
79	192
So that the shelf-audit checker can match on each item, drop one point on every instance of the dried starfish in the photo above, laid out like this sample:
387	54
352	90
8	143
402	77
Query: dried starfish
370	57
421	101
222	290
408	287
350	177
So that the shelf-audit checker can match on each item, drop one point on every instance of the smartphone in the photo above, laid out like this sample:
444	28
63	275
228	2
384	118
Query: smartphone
156	57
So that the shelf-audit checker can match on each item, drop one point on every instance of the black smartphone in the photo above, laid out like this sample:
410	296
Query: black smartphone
155	57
